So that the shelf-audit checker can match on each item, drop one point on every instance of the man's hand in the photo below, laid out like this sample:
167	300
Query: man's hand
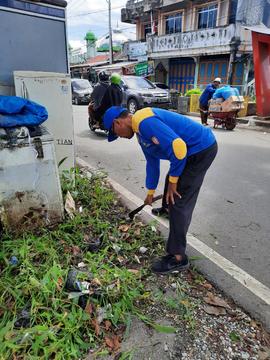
148	200
171	192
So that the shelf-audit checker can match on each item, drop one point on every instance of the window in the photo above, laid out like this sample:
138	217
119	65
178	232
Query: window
147	29
207	17
173	23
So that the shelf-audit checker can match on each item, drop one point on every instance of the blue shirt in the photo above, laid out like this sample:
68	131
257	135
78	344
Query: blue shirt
207	94
170	136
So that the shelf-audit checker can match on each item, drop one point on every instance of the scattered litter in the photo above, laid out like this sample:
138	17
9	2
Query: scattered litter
143	250
216	242
74	284
13	260
137	259
23	319
101	314
153	228
81	265
116	248
93	245
70	205
174	285
166	347
80	209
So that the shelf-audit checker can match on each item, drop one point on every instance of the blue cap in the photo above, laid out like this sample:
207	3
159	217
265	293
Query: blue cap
110	115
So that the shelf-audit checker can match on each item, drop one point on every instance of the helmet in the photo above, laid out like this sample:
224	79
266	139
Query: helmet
218	79
115	79
103	76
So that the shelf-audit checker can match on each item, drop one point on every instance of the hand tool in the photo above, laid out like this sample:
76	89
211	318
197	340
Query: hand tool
134	212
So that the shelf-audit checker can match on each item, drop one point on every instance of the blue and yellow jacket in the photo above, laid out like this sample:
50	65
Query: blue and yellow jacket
170	136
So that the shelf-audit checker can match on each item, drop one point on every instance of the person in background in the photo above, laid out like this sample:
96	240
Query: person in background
205	97
98	94
113	95
190	149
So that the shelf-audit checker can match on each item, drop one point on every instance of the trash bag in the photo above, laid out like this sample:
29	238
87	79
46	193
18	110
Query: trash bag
16	111
225	92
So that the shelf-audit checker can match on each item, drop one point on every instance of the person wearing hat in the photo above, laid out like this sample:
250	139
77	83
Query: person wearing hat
205	97
189	147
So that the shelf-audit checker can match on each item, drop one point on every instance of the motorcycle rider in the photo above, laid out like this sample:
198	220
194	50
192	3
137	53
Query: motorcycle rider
105	95
98	94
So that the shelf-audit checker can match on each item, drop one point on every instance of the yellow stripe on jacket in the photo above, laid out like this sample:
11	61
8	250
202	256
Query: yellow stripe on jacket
139	116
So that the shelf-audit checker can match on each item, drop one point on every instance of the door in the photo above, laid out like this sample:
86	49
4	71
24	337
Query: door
181	75
210	69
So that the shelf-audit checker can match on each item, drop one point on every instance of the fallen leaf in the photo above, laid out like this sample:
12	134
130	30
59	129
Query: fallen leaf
212	310
108	325
137	232
253	324
133	271
264	354
76	250
70	205
96	326
89	308
109	342
216	301
59	284
96	282
124	228
113	343
185	303
207	286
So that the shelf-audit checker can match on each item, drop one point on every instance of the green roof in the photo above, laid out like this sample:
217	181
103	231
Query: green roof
90	36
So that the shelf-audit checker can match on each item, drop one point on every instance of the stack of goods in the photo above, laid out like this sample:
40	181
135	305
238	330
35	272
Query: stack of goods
226	99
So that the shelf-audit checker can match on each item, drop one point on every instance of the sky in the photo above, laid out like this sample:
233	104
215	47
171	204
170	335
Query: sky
92	15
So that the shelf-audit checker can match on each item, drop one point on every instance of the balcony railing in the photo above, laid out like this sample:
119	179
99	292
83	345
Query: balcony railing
198	39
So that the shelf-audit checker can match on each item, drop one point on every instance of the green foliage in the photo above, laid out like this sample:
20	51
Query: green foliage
193	91
59	328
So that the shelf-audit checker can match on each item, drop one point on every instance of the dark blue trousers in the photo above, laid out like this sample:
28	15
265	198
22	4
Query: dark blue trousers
188	186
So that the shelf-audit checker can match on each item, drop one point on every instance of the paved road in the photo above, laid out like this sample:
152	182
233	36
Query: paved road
233	210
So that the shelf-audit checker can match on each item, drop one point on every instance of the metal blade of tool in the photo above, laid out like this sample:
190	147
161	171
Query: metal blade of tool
138	209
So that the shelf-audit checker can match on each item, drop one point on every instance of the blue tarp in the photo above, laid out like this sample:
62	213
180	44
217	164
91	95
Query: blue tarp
225	92
16	111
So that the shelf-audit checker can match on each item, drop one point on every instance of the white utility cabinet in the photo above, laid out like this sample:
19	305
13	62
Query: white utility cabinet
52	90
30	192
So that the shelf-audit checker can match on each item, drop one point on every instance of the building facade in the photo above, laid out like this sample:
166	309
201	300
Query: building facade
192	42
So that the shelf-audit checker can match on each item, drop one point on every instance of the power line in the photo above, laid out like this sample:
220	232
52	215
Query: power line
96	11
187	12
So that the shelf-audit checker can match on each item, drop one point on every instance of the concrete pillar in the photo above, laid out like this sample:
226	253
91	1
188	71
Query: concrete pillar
196	75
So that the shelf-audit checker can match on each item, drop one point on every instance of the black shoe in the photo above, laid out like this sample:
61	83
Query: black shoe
162	211
168	264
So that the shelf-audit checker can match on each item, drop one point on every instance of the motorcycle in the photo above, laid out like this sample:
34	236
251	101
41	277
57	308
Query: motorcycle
94	122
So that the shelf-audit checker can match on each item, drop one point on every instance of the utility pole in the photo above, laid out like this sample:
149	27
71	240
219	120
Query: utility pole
110	32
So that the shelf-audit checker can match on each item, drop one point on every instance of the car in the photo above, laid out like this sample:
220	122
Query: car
139	92
81	91
161	85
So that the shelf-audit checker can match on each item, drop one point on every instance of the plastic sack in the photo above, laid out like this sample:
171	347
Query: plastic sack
16	111
225	92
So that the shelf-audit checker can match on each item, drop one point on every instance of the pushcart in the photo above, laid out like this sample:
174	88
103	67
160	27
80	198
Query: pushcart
227	120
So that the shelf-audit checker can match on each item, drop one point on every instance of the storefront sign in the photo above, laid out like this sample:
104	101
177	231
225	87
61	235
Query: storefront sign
136	50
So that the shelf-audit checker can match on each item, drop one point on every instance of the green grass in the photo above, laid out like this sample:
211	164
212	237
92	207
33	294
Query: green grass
59	328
